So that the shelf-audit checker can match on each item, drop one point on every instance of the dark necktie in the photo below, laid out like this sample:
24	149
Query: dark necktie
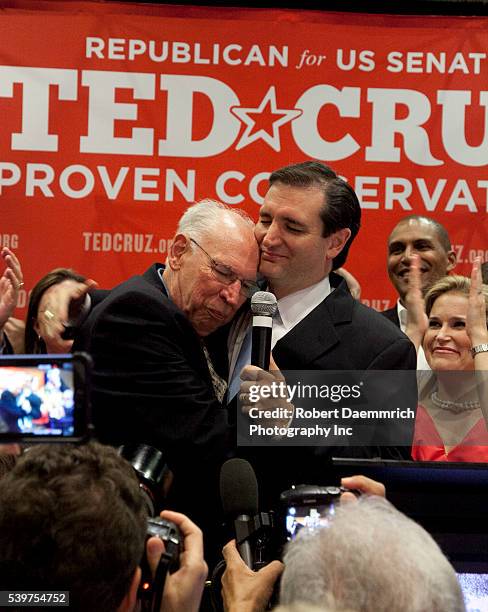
218	383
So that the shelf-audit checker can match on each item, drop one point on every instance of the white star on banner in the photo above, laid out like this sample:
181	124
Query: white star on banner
243	114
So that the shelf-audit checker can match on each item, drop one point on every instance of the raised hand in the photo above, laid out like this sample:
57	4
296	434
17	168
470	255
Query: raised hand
476	316
417	320
10	283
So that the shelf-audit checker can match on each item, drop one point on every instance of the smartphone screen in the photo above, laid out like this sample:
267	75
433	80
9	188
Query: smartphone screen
310	517
43	397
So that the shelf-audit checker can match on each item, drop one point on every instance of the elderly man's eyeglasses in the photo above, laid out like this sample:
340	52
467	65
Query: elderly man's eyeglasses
227	276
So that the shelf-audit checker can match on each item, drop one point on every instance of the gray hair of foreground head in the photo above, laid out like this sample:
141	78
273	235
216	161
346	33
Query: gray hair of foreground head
205	217
304	607
371	558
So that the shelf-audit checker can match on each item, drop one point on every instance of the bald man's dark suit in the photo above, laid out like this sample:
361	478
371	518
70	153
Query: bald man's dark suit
339	334
151	385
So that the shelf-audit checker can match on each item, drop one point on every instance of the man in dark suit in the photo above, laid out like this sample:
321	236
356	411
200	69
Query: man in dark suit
306	225
152	383
427	238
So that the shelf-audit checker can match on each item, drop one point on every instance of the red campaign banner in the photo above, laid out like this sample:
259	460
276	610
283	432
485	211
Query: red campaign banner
116	117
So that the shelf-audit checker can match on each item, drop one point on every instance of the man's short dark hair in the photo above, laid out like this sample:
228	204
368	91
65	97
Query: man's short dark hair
439	229
72	518
341	207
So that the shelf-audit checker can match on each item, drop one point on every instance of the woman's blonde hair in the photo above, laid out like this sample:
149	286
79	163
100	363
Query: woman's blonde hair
451	283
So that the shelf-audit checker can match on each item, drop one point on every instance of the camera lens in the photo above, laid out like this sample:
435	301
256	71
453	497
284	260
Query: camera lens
150	467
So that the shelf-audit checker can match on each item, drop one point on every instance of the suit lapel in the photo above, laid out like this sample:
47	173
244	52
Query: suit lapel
151	275
316	334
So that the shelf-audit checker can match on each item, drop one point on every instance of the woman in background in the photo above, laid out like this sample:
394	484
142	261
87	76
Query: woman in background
450	424
38	326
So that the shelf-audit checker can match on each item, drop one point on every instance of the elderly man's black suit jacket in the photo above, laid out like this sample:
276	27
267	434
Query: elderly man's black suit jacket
151	385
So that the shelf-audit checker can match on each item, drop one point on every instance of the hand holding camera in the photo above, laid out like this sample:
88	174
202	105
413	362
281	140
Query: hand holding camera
183	588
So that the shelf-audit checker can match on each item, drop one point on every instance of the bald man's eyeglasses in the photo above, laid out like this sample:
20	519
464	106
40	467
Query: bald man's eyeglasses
226	275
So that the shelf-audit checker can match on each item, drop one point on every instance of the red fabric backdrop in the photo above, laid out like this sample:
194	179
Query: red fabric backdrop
115	117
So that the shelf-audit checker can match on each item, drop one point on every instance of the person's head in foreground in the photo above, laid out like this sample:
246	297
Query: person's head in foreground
72	518
371	558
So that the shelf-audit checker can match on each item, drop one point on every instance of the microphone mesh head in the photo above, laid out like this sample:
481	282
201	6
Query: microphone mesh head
264	303
238	488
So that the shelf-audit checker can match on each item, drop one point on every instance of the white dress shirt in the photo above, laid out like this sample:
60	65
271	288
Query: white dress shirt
291	310
295	307
402	317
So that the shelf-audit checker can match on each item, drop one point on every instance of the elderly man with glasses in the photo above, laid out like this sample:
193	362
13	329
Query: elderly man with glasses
153	381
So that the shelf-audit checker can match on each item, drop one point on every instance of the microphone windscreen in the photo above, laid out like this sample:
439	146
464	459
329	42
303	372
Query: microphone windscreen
264	303
238	488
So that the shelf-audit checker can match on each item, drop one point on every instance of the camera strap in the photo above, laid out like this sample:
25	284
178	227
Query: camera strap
159	581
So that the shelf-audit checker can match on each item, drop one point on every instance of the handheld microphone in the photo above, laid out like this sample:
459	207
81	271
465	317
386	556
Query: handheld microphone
239	495
263	306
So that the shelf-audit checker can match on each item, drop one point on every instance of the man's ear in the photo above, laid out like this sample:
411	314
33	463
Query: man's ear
128	604
452	260
180	245
337	241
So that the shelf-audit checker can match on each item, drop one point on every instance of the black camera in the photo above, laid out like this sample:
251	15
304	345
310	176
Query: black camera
309	506
151	587
151	469
169	533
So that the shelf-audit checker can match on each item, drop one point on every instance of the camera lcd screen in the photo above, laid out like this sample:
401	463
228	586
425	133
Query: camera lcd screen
40	397
311	517
475	591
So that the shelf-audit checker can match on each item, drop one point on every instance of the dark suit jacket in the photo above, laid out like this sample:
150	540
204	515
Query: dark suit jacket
392	315
6	348
343	334
339	334
151	384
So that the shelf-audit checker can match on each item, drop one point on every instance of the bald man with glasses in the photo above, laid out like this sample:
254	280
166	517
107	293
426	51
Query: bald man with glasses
153	381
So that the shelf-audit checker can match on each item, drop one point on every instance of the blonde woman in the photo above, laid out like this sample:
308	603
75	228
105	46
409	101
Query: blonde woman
451	423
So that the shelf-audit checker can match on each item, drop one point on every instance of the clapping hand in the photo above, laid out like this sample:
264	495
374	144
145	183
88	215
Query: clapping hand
476	317
417	320
10	283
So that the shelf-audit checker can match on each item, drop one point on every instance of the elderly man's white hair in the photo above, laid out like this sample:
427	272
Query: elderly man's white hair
372	558
205	217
